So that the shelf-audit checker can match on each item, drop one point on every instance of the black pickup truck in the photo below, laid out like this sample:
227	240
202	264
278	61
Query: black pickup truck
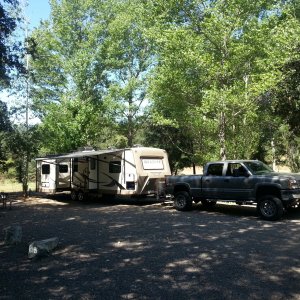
241	181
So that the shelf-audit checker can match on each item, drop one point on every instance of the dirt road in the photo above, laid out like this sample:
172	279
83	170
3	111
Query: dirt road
130	250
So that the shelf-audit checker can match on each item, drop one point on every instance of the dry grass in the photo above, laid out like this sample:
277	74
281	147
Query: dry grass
8	186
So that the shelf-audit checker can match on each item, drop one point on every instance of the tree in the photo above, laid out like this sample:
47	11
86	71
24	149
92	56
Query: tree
129	57
5	129
23	146
213	65
68	75
9	51
89	66
285	105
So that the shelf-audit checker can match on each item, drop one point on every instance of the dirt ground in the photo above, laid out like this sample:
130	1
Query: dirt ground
125	249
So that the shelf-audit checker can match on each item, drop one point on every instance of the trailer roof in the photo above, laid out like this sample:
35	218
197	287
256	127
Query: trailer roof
89	152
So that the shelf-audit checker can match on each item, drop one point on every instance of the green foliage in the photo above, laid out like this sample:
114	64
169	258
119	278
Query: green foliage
214	63
10	51
204	80
286	96
5	129
89	66
289	145
23	143
71	124
5	124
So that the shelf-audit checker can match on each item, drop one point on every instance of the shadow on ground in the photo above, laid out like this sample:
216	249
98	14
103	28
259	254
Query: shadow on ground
143	250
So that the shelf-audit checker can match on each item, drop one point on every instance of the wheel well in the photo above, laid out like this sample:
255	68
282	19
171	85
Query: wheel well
268	190
181	188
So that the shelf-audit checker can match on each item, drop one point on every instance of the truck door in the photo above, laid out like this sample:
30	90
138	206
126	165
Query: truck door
237	183
213	181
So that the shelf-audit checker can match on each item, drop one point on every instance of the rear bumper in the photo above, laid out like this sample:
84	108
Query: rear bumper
46	190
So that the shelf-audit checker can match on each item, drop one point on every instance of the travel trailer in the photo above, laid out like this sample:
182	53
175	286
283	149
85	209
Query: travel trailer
137	171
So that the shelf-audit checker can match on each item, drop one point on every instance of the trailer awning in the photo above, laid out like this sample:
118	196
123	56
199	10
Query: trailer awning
79	154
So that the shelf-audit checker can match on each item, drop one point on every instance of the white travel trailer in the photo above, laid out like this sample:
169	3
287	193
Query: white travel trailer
136	171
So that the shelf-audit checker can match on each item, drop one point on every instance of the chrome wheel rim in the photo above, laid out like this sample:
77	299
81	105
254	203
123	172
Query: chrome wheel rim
73	195
80	196
268	208
180	201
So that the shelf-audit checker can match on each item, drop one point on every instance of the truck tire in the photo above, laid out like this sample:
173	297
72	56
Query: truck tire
183	201
208	203
74	195
270	208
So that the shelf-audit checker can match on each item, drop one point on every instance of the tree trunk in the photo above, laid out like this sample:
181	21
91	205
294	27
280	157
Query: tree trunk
130	129
25	176
222	136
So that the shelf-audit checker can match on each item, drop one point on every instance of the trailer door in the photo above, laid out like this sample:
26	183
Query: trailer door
63	175
48	176
93	168
129	171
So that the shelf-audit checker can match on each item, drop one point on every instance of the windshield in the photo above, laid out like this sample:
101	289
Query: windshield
258	168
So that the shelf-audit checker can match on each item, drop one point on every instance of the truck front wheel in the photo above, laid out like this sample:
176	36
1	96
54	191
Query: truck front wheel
183	201
270	208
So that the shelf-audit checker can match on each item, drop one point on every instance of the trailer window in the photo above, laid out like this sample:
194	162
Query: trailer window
63	169
152	163
75	165
93	163
46	169
114	167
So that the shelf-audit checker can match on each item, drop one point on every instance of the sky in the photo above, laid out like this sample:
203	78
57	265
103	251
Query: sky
37	10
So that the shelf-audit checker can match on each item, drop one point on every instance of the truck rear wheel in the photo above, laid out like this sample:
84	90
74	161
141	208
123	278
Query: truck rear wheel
270	208
183	201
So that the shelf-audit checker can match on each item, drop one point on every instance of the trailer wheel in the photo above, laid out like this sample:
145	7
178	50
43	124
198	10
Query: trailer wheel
270	208
81	196
183	201
74	195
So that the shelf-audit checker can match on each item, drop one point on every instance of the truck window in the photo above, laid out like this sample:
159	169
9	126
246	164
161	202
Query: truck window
236	170
215	170
258	168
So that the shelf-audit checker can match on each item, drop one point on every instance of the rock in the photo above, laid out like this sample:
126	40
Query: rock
42	248
13	234
4	199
